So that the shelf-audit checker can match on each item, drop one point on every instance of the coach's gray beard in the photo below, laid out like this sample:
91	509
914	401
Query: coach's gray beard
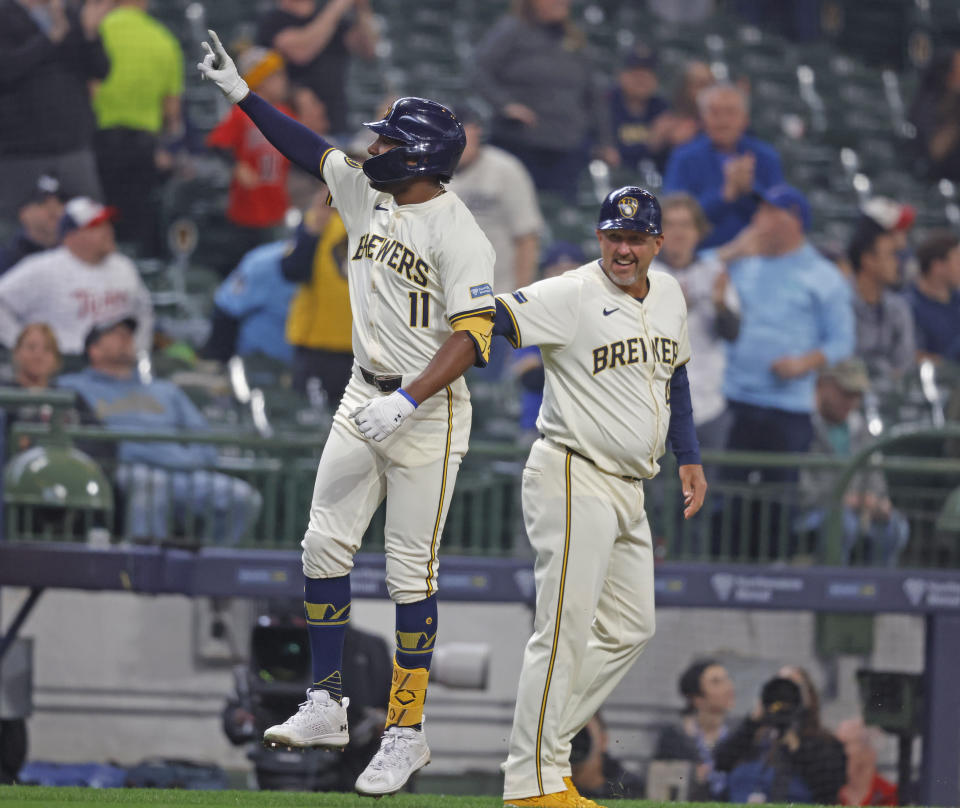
624	283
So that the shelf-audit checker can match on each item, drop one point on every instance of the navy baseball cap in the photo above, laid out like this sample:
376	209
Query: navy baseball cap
790	199
99	329
45	187
640	57
630	208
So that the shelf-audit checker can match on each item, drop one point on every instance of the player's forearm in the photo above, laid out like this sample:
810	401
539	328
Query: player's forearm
293	140
448	364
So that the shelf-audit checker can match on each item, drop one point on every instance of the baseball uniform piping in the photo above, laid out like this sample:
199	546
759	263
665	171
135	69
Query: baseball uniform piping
443	489
556	628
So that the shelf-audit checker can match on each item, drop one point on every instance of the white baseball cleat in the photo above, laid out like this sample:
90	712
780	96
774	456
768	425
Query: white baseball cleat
320	721
402	752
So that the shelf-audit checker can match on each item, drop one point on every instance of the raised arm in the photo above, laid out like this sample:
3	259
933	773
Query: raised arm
293	140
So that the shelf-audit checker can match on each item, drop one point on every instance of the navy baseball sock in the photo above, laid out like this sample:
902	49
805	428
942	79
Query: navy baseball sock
326	604
416	633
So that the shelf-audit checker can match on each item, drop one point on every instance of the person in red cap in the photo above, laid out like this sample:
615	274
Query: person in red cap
73	286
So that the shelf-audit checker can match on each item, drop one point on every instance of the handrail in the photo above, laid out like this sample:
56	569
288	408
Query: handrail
860	460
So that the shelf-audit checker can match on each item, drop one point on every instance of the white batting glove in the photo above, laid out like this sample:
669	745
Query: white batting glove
381	417
220	69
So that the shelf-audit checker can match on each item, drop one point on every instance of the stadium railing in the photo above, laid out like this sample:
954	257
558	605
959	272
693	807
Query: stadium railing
745	519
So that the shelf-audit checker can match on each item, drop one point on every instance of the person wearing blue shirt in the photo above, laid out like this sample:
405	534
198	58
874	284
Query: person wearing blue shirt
156	475
251	306
724	168
935	297
797	317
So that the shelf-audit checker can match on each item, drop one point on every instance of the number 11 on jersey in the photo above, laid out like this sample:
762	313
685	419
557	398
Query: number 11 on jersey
420	301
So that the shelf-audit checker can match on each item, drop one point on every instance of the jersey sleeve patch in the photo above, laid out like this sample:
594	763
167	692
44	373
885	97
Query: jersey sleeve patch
520	297
352	163
480	290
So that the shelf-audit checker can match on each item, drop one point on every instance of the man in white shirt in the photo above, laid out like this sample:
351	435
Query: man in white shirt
73	287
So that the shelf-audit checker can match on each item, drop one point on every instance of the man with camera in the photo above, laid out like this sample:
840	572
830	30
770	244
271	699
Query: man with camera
780	753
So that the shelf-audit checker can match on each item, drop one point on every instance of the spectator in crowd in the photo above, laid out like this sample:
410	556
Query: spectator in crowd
637	111
315	39
713	311
512	221
36	360
594	771
840	430
164	483
534	69
864	784
39	217
935	113
250	308
682	123
724	168
137	103
896	218
780	753
258	191
708	691
49	50
77	284
319	323
36	357
884	322
526	362
797	318
935	297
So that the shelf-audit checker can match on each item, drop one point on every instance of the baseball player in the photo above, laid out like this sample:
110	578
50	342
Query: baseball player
420	276
614	341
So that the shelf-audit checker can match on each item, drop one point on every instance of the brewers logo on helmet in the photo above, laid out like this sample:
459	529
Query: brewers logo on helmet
630	208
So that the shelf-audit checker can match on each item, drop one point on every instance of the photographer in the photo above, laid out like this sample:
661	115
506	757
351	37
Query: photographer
708	690
596	773
779	753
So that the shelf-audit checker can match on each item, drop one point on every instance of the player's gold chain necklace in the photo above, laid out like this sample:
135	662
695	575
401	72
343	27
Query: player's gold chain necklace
440	190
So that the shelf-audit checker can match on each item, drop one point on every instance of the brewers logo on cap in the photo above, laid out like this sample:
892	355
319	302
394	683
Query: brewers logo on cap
628	207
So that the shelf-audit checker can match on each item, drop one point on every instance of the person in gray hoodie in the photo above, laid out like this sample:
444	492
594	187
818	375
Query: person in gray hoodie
535	70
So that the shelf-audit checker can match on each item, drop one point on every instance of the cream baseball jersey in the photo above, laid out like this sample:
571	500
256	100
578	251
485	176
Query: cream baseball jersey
413	270
608	359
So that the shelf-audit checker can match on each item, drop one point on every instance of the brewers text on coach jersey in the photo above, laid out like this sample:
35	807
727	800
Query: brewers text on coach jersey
413	270
596	364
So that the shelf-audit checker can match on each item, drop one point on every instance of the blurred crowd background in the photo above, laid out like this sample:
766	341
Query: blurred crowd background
163	261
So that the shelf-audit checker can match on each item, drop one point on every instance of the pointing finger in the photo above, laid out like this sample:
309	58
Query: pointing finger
207	48
216	41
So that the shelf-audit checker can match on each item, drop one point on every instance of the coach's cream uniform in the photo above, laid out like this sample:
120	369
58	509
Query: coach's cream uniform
608	360
412	271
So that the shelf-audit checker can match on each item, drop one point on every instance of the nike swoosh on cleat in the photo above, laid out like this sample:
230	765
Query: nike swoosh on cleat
607	313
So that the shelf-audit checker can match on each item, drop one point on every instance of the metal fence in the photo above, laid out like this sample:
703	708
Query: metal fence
259	493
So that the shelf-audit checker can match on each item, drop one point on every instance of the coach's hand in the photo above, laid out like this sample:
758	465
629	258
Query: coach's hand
220	69
694	487
381	417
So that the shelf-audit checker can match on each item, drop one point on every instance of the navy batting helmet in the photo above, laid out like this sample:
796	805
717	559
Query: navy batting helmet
432	137
630	208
